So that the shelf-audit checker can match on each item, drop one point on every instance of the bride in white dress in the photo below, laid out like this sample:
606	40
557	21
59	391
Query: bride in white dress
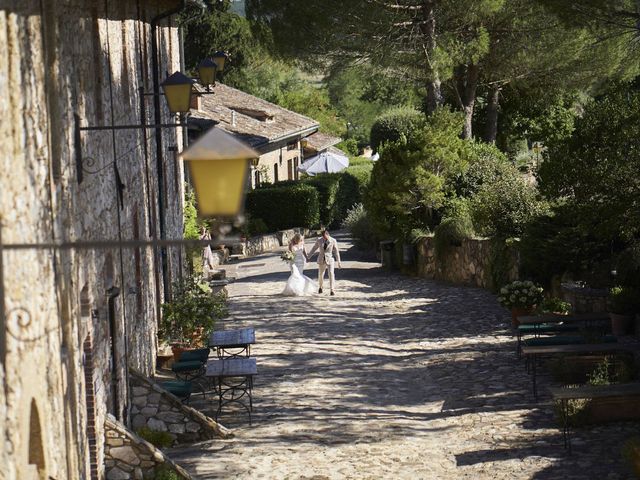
298	283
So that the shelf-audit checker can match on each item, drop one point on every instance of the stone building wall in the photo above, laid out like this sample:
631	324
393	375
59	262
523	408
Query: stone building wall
279	158
467	264
58	60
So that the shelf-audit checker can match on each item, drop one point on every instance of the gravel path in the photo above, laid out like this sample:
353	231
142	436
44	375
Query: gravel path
392	378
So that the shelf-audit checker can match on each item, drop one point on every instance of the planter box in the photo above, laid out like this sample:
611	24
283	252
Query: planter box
614	409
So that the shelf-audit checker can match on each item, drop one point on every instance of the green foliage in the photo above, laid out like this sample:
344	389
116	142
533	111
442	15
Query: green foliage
412	178
487	165
555	305
558	243
155	437
501	260
255	226
285	206
451	232
191	224
359	225
623	300
193	308
504	207
627	265
598	166
417	235
361	93
349	146
396	124
351	190
327	186
538	116
165	472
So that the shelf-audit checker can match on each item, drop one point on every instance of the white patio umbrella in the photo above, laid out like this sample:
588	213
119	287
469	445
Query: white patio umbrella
325	162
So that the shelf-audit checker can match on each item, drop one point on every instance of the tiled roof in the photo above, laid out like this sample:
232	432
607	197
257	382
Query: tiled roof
257	122
321	141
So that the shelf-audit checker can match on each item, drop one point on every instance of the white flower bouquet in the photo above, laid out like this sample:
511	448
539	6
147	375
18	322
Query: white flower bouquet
521	294
287	257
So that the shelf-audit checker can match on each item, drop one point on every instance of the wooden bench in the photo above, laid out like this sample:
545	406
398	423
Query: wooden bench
545	324
534	352
564	394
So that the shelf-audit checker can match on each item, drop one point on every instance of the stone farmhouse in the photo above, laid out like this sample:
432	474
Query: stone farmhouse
75	320
276	133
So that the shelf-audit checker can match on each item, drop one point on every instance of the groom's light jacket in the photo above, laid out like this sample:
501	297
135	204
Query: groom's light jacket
325	255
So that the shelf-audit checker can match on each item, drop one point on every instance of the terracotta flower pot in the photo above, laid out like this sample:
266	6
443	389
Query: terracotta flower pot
519	312
177	351
620	324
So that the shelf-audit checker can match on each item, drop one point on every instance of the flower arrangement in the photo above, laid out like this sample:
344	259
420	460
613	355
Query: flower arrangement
520	294
287	257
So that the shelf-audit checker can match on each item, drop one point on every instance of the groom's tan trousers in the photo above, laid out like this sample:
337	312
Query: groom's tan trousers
322	267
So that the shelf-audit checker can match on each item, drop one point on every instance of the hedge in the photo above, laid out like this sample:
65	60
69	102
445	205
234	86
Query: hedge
327	186
281	207
290	204
394	124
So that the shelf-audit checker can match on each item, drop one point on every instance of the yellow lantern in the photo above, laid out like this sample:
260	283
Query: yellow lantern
177	91
207	72
219	165
220	58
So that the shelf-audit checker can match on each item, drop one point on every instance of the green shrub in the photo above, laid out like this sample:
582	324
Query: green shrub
411	181
554	305
359	225
192	308
451	232
285	206
504	207
353	184
327	185
394	124
256	226
623	300
558	244
165	472
349	146
155	437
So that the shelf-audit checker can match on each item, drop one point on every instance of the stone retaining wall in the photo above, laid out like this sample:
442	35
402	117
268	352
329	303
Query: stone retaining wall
262	244
159	410
467	264
127	456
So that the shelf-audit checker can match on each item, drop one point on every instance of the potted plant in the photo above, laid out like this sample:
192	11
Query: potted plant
622	306
521	297
189	317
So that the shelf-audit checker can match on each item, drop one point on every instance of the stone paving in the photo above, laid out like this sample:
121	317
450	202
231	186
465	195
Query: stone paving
392	378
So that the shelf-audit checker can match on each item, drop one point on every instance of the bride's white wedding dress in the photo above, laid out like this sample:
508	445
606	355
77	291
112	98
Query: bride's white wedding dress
298	283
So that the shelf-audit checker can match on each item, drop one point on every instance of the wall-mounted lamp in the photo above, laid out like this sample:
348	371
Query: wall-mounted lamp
219	165
220	58
177	90
207	72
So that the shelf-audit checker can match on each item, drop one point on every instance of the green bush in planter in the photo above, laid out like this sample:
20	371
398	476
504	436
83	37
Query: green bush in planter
192	310
623	300
157	438
451	232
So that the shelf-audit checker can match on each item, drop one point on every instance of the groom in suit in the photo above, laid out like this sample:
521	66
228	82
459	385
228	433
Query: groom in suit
328	253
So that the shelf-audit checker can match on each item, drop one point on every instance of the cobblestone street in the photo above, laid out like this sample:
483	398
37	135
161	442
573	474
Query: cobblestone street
393	378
